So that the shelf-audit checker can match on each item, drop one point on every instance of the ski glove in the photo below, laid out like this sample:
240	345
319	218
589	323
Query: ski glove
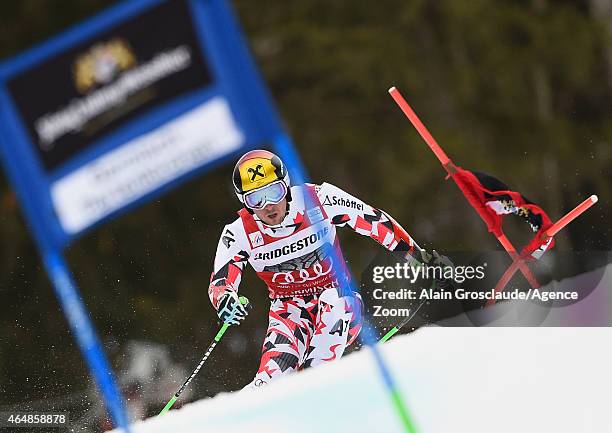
230	310
435	259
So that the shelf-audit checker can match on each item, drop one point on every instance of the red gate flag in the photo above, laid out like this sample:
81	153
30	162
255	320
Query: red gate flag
493	199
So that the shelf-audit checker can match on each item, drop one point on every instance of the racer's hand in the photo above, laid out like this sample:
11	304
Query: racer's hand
435	259
231	310
441	260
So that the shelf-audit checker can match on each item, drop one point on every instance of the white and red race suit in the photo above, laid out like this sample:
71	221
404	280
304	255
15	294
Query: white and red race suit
312	319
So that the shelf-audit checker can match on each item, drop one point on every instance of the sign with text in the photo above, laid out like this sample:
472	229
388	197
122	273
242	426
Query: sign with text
122	106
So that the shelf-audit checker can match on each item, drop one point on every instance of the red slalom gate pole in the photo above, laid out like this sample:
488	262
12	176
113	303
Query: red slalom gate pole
450	169
552	230
520	263
416	122
571	215
505	279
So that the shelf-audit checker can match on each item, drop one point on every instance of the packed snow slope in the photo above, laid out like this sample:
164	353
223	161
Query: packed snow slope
453	380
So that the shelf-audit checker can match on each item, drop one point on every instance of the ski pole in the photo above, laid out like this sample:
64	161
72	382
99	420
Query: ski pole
400	325
243	301
407	319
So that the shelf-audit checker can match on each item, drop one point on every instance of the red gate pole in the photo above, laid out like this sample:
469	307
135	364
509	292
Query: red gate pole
552	230
450	168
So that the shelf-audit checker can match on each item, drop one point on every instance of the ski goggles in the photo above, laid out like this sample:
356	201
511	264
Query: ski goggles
272	193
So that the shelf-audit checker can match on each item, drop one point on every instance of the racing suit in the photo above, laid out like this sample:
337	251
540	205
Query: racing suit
312	318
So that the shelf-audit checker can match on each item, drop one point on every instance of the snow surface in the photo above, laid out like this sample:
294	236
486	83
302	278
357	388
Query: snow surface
453	380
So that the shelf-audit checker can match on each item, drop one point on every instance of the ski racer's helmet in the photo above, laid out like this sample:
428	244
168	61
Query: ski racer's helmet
260	177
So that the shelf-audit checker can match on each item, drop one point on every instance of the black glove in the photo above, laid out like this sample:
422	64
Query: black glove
435	259
230	309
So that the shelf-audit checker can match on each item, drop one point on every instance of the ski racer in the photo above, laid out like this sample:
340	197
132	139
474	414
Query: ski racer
288	236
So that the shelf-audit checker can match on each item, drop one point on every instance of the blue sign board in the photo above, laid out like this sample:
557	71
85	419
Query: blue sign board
114	112
124	106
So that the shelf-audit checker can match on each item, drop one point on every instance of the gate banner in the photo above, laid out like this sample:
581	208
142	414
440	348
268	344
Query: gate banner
124	106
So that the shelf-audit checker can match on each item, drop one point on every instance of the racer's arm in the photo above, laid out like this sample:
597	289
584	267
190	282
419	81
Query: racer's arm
230	261
347	210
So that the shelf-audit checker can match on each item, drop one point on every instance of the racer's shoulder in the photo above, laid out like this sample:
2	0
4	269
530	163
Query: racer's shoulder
326	189
235	229
321	190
